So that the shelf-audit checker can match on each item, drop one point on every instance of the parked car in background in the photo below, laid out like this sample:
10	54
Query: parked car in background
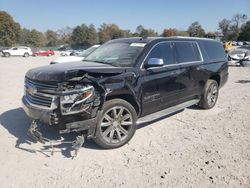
79	57
76	52
238	55
17	51
43	53
239	43
66	52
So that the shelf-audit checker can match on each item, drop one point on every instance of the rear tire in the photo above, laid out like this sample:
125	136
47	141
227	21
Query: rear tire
210	95
117	124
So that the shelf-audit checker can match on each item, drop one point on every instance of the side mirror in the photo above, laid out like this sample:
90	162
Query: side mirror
154	62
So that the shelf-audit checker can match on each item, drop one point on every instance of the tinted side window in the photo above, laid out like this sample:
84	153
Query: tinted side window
163	51
214	49
187	52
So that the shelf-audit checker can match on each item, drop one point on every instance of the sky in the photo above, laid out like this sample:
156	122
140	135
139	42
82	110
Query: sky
128	14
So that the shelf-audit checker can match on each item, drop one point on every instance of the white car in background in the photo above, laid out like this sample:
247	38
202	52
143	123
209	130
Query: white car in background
17	51
66	53
80	57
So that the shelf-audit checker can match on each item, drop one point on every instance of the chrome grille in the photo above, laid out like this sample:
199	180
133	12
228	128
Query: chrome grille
37	93
40	85
39	100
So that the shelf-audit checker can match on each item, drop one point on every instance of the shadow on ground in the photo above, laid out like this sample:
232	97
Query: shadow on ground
17	123
243	81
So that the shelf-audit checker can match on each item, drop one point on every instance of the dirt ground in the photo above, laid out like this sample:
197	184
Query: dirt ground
193	148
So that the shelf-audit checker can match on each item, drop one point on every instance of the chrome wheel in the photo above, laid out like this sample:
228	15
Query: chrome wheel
212	95
116	124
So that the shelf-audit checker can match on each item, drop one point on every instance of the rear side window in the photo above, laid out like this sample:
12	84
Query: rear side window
187	52
214	50
163	51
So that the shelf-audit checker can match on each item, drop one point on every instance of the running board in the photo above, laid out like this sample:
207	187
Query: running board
165	112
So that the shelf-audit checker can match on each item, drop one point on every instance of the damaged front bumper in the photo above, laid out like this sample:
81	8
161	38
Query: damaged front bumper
66	124
37	136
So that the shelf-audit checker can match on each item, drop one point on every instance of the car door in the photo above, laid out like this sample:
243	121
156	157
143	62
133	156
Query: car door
14	51
20	51
190	60
160	85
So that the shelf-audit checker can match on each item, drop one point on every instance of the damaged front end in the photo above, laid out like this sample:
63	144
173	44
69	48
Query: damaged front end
72	106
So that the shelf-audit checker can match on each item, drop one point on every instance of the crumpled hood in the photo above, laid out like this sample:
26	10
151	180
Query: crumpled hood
65	71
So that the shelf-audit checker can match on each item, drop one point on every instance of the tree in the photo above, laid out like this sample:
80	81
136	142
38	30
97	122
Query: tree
224	26
51	37
110	31
64	35
231	28
238	19
9	30
79	35
196	30
36	38
24	37
92	35
142	32
245	32
169	32
84	35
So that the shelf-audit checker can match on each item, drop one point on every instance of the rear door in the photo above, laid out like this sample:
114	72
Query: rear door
190	60
160	85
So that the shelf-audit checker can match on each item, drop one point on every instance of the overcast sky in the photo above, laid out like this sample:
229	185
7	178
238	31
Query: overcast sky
128	14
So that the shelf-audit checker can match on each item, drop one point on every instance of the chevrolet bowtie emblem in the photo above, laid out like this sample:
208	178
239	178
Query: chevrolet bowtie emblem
31	90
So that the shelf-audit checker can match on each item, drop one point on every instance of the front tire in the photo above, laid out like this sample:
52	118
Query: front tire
117	124
210	95
26	54
7	54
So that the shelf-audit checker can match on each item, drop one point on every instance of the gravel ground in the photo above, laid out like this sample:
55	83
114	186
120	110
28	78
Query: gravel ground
193	148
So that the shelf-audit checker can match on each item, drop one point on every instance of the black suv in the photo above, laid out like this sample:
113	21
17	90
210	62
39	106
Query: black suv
126	82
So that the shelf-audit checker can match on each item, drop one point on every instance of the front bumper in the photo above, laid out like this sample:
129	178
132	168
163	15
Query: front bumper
45	116
51	117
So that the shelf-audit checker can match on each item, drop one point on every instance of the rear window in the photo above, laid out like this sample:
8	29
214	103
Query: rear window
214	50
187	52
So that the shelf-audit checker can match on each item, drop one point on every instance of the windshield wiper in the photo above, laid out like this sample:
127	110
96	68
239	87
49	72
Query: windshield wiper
96	61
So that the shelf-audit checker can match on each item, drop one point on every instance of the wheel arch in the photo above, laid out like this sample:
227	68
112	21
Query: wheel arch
216	78
127	97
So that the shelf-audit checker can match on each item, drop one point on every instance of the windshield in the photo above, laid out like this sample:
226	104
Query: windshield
85	53
120	54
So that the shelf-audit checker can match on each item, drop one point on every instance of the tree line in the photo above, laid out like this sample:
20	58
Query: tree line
11	33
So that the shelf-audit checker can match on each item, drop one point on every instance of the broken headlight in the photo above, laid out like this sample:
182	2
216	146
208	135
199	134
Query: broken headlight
76	99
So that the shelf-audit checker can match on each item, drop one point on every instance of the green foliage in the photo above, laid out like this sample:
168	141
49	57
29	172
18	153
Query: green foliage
245	32
231	28
196	30
24	37
36	38
10	33
84	35
9	30
52	38
65	35
111	31
142	32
